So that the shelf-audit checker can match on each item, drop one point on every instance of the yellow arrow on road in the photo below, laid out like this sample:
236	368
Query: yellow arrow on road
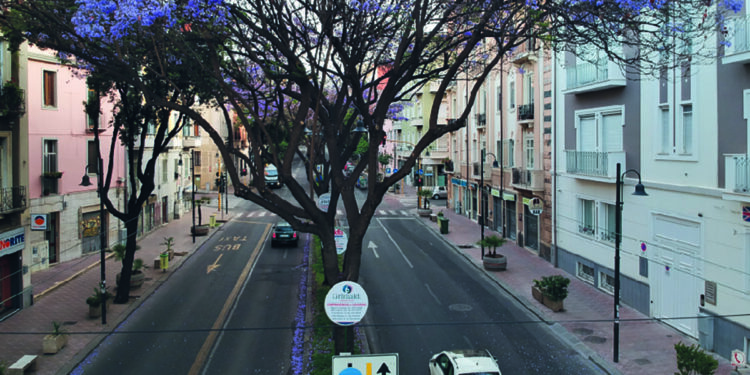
213	266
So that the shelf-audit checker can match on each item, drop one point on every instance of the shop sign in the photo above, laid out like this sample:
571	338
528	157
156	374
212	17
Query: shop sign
12	241
509	197
38	221
495	192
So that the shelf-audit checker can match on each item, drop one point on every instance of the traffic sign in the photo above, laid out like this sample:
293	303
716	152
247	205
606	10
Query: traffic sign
536	206
323	202
346	303
738	358
395	170
341	240
366	364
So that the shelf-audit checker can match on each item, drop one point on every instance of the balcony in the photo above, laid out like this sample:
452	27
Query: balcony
737	173
526	113
525	53
738	37
176	142
476	168
417	121
588	77
528	179
191	142
594	163
481	120
12	199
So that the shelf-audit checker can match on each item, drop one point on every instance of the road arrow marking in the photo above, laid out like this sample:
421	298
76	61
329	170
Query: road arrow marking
372	246
213	266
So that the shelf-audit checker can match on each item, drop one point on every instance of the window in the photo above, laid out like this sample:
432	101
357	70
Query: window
586	216
197	158
528	149
499	95
164	170
151	128
607	231
585	273
187	127
528	88
49	156
512	94
49	89
687	129
509	152
91	122
676	137
92	157
6	179
606	282
600	130
665	131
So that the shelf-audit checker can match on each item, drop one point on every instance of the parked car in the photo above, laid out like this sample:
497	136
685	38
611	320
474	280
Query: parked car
348	168
272	176
362	181
284	234
439	192
464	362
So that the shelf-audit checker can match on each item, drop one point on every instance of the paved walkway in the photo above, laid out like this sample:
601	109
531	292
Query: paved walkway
646	347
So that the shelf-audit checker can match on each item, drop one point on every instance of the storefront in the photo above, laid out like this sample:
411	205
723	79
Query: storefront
12	244
509	224
530	226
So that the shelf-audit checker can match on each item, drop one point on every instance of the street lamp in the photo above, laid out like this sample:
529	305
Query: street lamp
192	192
481	186
85	181
640	191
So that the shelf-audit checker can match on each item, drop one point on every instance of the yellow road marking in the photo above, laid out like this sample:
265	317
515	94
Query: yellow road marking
213	266
200	359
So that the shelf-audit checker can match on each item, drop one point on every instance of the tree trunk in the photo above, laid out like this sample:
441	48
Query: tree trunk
131	228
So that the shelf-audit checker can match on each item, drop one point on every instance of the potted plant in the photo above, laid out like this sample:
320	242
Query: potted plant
11	100
56	340
169	242
95	302
448	164
137	277
425	210
54	174
492	260
553	289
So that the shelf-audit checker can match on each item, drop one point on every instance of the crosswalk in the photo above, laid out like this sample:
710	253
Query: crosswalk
383	213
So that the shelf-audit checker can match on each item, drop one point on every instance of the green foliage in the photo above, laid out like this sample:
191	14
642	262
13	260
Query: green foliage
692	360
492	241
362	147
3	367
554	287
168	242
57	329
97	298
385	159
11	99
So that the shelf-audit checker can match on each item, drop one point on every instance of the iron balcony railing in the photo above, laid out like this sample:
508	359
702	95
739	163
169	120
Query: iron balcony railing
593	163
740	35
526	112
737	175
12	199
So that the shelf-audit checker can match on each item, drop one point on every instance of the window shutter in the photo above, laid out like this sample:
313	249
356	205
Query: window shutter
587	134
612	124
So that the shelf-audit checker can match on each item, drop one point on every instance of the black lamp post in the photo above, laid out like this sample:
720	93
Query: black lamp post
192	177
85	181
481	187
640	191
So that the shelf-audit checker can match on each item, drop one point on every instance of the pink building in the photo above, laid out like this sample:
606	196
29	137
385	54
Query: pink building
61	151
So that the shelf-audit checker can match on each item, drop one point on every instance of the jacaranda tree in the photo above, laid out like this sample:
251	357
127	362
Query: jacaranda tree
328	66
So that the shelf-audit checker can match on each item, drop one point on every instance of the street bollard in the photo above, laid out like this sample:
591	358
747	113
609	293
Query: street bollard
164	261
212	221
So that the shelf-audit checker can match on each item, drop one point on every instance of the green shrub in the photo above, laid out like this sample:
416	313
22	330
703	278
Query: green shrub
554	287
692	360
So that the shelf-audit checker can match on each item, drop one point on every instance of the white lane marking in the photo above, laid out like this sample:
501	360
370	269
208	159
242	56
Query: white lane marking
396	245
432	294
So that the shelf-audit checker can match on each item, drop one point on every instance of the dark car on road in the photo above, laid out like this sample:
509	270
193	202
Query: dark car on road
284	234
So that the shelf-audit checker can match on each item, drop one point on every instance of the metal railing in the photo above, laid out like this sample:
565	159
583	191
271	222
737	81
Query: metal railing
740	38
12	199
585	73
526	112
591	163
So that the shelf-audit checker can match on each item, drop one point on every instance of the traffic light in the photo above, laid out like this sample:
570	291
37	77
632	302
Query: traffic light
419	181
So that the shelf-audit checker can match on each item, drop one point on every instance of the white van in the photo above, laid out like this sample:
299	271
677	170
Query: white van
272	176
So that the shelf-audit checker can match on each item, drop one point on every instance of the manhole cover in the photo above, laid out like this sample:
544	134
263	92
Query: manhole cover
460	307
583	331
595	339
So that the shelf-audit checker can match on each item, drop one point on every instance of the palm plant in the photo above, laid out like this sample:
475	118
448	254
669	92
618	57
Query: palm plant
492	242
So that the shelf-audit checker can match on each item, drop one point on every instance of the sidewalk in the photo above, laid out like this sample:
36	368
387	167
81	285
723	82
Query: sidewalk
646	347
60	293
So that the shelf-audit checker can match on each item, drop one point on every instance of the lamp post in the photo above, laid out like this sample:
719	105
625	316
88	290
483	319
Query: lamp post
483	206
639	191
192	177
85	181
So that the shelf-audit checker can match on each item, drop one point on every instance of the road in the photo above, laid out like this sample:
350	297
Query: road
425	298
238	286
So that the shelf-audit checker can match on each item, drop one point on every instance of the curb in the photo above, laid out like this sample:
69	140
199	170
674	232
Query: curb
557	329
132	306
70	278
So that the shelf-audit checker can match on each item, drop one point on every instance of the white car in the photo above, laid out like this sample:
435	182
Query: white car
464	362
439	192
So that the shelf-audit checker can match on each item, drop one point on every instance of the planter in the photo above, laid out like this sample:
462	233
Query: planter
424	212
136	279
52	344
537	294
95	311
497	262
433	218
554	305
199	230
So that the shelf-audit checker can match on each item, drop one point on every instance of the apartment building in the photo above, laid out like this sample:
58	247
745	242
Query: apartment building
15	252
685	249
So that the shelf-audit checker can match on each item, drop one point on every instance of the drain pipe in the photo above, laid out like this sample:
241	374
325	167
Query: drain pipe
554	161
